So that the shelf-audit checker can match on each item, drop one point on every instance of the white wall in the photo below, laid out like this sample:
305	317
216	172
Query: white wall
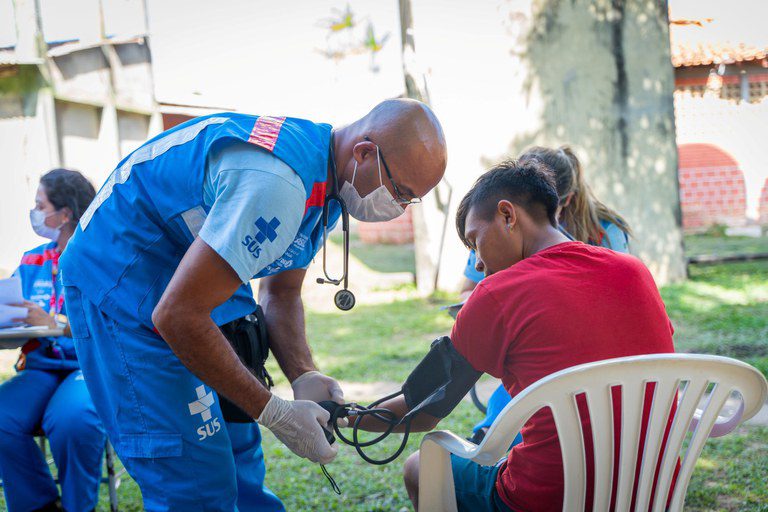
133	131
87	139
24	143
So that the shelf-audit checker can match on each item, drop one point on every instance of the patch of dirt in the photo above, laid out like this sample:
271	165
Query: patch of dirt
743	350
361	392
729	503
739	351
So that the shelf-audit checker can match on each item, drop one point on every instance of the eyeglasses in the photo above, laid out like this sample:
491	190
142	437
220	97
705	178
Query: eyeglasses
398	199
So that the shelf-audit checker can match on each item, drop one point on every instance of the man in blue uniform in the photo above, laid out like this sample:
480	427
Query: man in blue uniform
163	257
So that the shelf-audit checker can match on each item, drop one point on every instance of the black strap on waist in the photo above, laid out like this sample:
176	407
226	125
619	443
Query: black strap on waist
249	339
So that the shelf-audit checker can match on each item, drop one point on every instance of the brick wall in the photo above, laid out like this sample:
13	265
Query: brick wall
763	209
398	231
712	189
720	139
171	120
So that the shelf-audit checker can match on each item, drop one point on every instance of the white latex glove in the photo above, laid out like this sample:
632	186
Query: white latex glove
317	387
299	426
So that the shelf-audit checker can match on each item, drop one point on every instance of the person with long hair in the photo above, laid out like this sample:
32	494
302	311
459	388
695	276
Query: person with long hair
581	215
49	392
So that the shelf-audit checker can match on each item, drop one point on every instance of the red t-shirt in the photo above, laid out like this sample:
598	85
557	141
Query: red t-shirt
567	305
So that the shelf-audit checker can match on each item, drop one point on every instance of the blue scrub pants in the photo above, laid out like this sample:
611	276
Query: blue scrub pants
475	486
59	403
165	424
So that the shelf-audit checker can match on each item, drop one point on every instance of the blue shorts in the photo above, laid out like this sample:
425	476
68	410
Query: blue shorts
476	486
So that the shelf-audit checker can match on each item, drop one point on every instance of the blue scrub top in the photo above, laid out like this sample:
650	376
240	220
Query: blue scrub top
142	221
41	284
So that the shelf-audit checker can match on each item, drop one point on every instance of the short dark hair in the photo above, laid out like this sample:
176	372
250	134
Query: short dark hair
70	189
527	183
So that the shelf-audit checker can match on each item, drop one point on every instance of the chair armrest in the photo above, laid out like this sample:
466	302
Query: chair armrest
723	425
436	488
460	447
452	443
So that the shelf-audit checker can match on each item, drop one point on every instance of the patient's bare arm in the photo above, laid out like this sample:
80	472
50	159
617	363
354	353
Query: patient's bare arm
421	422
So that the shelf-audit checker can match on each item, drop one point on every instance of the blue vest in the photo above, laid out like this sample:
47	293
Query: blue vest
41	286
142	221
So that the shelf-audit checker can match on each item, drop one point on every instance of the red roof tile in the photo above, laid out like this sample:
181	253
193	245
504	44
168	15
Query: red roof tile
706	53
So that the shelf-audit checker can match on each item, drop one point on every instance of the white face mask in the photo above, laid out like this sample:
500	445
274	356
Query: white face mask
378	206
37	218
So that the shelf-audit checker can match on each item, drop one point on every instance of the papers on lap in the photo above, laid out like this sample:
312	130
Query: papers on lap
10	293
8	313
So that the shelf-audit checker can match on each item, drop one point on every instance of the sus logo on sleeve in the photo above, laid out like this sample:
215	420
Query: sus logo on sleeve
265	231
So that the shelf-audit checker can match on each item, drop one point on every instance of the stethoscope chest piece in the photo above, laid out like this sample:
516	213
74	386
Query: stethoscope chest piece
344	300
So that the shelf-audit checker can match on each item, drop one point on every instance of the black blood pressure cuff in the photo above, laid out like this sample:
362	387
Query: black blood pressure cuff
440	381
248	337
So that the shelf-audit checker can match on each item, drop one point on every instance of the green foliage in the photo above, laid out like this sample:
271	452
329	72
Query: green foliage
344	24
26	80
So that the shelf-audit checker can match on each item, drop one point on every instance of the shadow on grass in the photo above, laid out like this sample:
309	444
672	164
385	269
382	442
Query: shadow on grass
696	245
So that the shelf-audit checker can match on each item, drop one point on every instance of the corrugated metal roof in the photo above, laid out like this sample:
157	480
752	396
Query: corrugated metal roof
8	57
74	46
191	110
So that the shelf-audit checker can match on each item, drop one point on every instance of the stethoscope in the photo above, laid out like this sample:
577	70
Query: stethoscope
344	299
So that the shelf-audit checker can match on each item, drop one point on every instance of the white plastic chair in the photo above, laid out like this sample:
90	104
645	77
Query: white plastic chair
701	384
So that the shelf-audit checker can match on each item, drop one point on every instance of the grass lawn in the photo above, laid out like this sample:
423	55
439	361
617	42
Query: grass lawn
374	343
379	257
722	309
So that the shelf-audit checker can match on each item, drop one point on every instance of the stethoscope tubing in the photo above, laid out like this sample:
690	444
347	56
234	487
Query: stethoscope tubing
334	195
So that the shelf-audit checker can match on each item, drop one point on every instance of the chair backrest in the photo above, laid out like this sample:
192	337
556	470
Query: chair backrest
700	384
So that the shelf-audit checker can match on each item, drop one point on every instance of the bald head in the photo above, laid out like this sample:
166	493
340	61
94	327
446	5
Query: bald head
409	137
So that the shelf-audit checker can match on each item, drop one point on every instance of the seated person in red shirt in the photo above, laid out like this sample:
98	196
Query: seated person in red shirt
546	304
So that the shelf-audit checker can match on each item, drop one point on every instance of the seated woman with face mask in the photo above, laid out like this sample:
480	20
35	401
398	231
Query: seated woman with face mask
48	391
